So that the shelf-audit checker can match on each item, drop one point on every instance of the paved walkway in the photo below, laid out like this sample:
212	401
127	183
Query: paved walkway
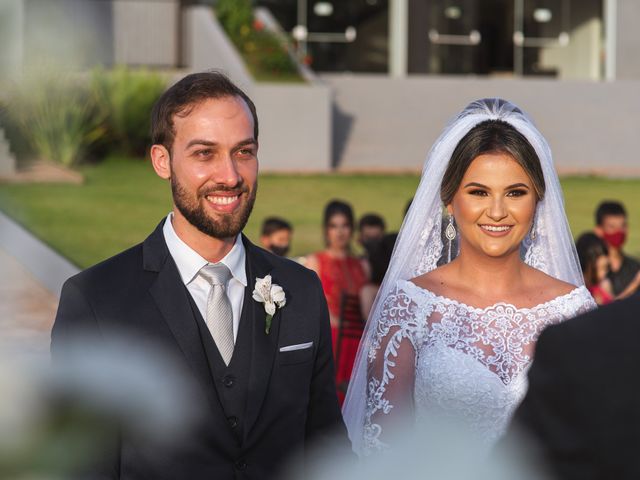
27	309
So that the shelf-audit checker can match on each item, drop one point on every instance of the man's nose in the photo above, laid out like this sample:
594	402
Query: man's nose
226	172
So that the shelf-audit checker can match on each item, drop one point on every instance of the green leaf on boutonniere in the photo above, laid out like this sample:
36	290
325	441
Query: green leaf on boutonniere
267	324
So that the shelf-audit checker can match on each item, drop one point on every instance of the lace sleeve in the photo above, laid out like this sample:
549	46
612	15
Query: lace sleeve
579	302
401	326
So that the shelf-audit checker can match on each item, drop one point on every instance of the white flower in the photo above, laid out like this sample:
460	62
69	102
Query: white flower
272	295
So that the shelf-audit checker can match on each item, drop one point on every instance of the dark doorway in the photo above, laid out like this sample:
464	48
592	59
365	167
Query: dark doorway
448	41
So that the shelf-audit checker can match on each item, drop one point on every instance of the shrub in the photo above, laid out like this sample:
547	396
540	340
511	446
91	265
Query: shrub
125	98
263	51
55	114
236	17
19	144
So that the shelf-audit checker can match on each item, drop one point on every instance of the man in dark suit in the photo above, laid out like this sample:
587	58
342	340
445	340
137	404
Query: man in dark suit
582	408
263	363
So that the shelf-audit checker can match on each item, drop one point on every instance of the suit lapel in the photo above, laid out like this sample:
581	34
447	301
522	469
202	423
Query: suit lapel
264	346
170	296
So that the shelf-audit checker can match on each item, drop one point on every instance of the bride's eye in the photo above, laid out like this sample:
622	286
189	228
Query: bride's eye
517	193
478	192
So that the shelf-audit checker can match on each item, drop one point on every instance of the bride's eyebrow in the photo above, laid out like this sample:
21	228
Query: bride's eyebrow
475	184
517	185
510	187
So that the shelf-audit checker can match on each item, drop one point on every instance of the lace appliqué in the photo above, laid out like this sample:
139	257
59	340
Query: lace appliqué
492	347
535	253
431	245
400	314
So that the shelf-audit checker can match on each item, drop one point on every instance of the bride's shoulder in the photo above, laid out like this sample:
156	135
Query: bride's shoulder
434	281
552	286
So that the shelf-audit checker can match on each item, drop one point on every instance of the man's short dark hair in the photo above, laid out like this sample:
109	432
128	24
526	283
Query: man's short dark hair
182	97
275	224
371	220
609	208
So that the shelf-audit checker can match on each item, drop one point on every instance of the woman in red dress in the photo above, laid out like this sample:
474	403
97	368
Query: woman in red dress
340	272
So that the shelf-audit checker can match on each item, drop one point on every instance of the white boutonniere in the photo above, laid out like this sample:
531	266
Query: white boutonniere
273	297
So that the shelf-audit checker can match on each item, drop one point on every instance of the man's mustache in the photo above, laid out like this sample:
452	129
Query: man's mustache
223	189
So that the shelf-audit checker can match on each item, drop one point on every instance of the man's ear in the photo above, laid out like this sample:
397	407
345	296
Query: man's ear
161	159
598	231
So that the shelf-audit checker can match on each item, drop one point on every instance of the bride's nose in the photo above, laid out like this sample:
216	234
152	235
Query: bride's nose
497	210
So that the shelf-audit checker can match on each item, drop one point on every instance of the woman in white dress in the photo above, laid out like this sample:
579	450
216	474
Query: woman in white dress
484	262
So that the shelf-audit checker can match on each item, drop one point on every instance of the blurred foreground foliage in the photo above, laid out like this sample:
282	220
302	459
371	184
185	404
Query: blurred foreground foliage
68	118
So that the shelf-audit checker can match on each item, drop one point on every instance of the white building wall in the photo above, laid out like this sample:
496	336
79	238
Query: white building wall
11	38
628	39
146	32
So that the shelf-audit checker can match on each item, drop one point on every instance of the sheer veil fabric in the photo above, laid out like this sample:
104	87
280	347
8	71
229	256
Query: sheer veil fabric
419	246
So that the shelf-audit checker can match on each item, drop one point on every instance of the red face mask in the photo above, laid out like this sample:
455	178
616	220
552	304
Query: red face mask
615	239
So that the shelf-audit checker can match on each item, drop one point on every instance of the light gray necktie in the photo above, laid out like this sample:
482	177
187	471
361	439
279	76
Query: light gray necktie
219	313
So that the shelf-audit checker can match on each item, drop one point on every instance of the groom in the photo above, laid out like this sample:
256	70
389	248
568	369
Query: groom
268	383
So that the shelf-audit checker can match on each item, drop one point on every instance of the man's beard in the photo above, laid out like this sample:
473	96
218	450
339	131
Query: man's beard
226	225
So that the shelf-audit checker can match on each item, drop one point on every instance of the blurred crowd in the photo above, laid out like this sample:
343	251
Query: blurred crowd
351	282
609	273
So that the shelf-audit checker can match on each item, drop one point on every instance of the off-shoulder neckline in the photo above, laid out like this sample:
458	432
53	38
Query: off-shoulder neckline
575	292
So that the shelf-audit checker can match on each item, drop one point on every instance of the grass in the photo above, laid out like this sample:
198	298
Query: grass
122	201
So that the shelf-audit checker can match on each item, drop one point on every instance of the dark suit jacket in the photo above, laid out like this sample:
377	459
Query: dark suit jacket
583	403
290	396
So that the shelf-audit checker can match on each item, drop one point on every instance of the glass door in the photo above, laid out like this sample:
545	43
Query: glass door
539	25
470	36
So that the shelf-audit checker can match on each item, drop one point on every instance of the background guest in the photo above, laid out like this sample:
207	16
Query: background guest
276	235
371	230
340	273
379	262
594	260
611	226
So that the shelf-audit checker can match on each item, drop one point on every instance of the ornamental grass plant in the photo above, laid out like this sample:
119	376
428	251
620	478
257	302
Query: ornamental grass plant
125	98
56	114
69	118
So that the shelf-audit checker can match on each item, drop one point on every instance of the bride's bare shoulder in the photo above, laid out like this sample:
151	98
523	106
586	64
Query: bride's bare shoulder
552	286
436	280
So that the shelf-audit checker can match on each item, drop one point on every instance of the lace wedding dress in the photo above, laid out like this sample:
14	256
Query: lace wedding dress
454	360
424	355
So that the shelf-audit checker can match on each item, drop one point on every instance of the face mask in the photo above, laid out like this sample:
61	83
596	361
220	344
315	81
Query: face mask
616	239
280	251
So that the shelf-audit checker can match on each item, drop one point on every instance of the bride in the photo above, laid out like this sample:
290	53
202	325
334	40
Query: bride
453	329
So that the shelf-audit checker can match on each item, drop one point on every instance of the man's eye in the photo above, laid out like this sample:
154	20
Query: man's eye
245	152
203	153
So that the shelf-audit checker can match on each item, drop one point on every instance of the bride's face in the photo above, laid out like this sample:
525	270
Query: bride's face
494	205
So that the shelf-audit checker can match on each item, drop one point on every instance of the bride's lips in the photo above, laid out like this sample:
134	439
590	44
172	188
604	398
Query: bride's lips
494	230
223	202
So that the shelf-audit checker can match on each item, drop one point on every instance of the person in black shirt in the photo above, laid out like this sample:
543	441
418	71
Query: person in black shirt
611	226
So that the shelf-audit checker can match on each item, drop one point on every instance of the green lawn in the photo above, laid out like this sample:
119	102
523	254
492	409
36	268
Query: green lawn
122	201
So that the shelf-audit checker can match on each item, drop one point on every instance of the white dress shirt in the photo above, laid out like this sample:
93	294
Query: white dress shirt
189	263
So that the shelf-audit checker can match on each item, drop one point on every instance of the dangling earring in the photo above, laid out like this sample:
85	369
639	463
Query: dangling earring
450	233
532	232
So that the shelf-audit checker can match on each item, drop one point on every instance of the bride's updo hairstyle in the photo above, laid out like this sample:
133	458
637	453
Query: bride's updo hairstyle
491	136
